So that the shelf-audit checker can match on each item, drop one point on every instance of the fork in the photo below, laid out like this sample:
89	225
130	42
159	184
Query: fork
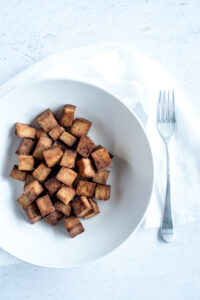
166	122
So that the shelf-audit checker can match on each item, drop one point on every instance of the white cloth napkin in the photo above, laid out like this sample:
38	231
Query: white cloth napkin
136	80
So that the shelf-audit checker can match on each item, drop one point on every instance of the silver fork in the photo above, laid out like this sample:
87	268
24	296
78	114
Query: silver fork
166	122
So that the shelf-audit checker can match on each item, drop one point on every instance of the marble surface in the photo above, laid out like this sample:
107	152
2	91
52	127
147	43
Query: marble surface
144	267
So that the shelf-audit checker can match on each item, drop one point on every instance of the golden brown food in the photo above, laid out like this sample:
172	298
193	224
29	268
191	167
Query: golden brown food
26	162
67	116
66	194
17	174
33	213
25	131
81	206
101	159
85	167
102	192
45	205
33	190
41	172
59	144
25	146
56	132
73	226
80	127
52	156
40	132
65	209
66	176
29	178
53	218
85	188
24	201
67	138
85	146
53	185
69	159
46	120
101	176
43	143
95	209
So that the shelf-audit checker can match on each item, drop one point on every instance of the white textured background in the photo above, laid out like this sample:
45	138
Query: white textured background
168	31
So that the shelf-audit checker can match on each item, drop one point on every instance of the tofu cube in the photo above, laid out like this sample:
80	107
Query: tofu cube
101	176
53	218
41	172
25	146
33	213
25	131
85	146
69	159
46	120
24	201
73	226
52	156
33	190
85	167
81	206
45	205
52	185
17	174
66	194
66	176
67	138
85	188
101	159
60	145
29	178
42	144
80	127
95	209
102	192
26	162
56	132
65	209
40	132
67	116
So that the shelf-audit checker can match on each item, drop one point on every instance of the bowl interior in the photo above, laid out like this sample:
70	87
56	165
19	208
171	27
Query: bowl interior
131	178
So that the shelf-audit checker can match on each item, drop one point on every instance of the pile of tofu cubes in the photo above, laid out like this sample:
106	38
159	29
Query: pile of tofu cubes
62	168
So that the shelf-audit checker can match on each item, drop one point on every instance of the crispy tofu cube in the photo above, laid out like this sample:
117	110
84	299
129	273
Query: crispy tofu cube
17	174
33	190
26	162
46	120
45	205
66	176
56	132
67	138
73	226
40	132
25	146
102	192
42	144
53	185
25	131
85	146
85	167
69	159
85	188
52	156
24	201
66	194
53	218
65	209
33	213
95	209
101	159
60	145
101	177
67	116
81	206
80	127
41	172
29	178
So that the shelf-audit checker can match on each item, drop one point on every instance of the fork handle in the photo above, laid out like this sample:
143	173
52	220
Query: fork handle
167	227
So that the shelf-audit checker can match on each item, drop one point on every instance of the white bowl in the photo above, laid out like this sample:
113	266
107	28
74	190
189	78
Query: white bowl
115	127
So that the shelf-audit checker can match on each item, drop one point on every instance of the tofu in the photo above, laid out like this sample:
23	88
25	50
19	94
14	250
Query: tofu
29	178
43	143
45	205
25	146
73	226
67	138
41	172
65	209
101	159
81	206
46	120
25	131
80	127
53	218
56	132
69	159
52	156
53	185
59	144
33	213
66	176
33	190
85	188
102	192
85	168
40	132
101	177
95	209
85	146
17	174
67	116
24	201
26	162
66	194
